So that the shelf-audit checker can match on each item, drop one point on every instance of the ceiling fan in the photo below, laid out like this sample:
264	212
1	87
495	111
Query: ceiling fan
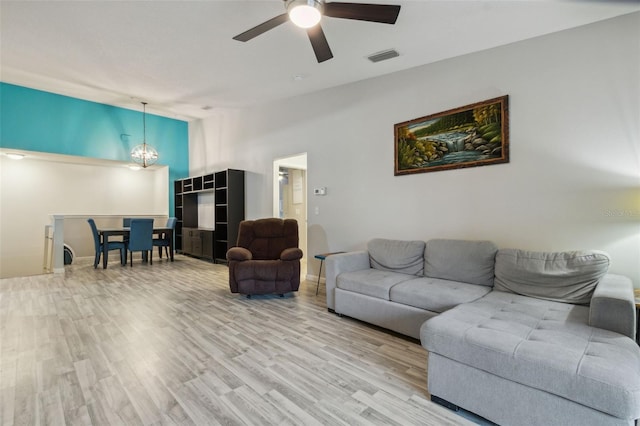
307	14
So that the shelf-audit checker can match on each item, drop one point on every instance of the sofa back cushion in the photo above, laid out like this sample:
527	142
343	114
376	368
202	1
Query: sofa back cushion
568	277
397	256
461	260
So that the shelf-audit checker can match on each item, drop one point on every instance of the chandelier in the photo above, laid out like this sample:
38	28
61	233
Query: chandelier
144	154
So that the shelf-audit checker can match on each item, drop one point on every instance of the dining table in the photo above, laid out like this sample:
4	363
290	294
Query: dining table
105	233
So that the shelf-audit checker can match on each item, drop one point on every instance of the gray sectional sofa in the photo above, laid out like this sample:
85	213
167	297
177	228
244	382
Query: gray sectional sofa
517	337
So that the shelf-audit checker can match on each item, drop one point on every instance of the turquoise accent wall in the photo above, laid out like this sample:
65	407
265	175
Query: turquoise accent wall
34	120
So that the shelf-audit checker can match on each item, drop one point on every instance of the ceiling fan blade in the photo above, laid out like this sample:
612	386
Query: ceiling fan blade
262	28
383	13
319	43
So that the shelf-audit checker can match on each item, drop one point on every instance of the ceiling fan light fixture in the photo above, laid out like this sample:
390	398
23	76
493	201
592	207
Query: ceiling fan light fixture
308	13
304	13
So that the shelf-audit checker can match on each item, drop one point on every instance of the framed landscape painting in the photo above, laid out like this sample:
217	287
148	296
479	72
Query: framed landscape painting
468	136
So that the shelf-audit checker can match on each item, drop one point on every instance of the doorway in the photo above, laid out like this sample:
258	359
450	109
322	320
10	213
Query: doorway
290	196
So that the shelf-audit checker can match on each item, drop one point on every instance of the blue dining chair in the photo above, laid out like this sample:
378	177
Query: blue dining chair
163	241
126	223
141	238
111	245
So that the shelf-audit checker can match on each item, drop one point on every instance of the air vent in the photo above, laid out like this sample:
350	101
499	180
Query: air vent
383	56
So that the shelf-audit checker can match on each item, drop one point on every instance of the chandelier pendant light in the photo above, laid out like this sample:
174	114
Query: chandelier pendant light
144	154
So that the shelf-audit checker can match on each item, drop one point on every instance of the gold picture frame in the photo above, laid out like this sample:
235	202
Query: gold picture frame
468	136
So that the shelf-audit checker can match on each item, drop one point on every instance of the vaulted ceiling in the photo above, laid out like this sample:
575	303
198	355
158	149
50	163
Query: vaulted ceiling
179	56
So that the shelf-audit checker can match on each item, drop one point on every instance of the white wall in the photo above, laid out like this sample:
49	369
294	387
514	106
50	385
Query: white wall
573	181
33	188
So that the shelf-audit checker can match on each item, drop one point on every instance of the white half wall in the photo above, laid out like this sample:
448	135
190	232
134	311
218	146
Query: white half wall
34	188
573	181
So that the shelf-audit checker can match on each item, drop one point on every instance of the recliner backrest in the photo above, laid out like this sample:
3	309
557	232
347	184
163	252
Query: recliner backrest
267	238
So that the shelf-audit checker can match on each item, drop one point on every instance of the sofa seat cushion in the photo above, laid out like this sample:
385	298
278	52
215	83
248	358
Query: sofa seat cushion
542	344
372	282
434	294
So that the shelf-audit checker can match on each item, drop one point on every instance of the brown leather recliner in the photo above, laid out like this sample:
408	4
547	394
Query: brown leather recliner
266	259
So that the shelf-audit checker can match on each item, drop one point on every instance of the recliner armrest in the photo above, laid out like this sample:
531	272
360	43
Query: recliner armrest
293	253
612	305
239	254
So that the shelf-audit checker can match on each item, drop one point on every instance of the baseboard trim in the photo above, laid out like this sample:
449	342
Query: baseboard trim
314	279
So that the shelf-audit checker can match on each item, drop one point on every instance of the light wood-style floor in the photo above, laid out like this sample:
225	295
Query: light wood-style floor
169	344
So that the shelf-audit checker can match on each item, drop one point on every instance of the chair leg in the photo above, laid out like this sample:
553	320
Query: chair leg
131	258
151	257
159	251
96	261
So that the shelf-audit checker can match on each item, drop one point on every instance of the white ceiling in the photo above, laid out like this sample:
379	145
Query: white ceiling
179	56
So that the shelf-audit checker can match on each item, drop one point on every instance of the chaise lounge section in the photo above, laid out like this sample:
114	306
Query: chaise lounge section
518	337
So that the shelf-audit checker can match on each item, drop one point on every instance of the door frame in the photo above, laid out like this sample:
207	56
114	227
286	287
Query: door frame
297	161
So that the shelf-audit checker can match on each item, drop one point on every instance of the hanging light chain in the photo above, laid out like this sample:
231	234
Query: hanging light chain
144	123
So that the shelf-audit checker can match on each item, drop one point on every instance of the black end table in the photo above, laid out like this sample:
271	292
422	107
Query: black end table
322	257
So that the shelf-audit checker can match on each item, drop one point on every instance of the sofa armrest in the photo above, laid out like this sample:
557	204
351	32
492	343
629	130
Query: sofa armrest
239	254
339	263
612	305
293	253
